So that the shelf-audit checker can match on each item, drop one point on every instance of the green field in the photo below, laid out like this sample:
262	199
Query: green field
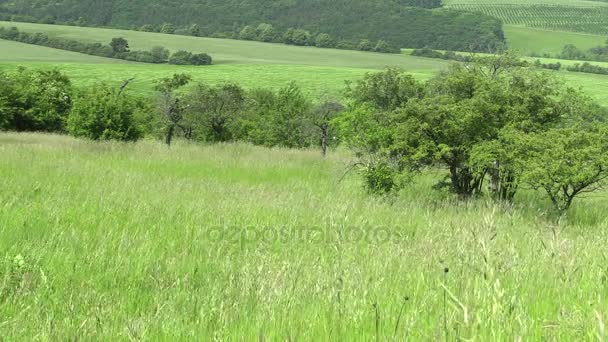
252	64
229	242
530	40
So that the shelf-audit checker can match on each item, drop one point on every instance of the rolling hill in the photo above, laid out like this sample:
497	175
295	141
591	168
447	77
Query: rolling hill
252	64
402	23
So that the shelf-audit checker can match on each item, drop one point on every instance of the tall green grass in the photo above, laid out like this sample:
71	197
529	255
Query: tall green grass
111	241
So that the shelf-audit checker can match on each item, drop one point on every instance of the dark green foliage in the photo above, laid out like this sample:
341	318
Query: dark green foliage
195	30
119	45
598	53
401	23
167	28
365	45
169	104
34	100
159	54
565	162
387	90
147	28
550	66
588	68
248	33
297	37
104	113
447	55
464	120
212	112
200	59
324	40
383	46
180	58
266	33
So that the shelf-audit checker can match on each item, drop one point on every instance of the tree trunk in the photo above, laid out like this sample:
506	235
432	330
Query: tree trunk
324	141
169	137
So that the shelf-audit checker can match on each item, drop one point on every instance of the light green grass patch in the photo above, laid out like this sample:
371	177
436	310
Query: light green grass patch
108	241
314	80
26	53
531	40
227	51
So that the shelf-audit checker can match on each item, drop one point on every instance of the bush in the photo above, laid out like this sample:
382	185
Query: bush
297	37
102	113
200	59
159	54
324	41
365	45
248	33
167	28
34	101
180	58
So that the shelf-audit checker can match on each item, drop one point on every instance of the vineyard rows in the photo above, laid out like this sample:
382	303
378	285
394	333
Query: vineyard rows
592	19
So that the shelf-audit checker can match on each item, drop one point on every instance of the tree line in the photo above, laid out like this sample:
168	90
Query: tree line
490	125
450	55
597	53
399	23
46	101
117	48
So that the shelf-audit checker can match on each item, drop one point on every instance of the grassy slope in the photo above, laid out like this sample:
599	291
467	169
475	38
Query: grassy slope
531	40
25	53
226	51
117	241
251	64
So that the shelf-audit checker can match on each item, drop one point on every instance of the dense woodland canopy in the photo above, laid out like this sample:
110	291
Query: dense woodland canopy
404	23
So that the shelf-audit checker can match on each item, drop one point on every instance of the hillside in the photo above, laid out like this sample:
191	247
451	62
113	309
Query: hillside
344	20
252	64
559	15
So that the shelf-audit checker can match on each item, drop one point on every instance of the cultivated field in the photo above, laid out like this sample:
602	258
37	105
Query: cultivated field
134	241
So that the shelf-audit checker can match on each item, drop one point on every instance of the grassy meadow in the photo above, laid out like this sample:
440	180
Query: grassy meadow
134	241
231	242
255	64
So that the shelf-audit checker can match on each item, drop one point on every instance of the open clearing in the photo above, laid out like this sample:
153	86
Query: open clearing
107	240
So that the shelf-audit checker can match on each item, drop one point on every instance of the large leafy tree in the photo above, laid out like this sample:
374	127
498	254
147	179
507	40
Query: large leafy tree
565	163
169	104
211	111
105	113
34	100
458	121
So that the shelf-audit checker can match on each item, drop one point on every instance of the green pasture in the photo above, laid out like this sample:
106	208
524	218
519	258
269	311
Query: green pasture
531	40
227	51
109	241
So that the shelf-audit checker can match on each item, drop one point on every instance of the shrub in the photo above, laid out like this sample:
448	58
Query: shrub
324	41
102	113
167	28
365	45
180	58
159	54
34	101
200	59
